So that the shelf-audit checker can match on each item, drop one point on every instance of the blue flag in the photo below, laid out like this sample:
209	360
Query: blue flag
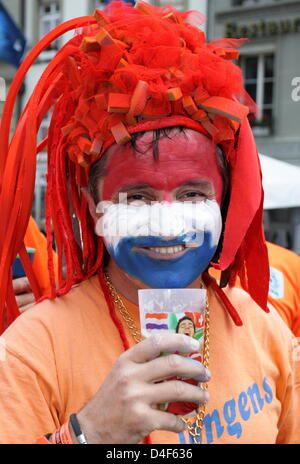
12	41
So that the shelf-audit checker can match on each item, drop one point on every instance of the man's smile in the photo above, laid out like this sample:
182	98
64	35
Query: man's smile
165	252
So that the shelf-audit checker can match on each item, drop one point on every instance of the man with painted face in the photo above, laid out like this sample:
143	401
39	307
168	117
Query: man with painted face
147	130
171	238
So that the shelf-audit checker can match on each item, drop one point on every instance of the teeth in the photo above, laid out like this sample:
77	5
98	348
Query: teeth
168	250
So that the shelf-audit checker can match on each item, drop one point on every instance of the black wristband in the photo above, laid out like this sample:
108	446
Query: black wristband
77	430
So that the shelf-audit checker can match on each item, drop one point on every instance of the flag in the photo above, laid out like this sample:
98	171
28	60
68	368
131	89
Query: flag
12	41
156	321
197	318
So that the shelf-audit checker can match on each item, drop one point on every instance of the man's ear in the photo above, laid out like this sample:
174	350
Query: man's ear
91	203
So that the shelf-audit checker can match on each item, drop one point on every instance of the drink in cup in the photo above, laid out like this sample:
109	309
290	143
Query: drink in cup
175	311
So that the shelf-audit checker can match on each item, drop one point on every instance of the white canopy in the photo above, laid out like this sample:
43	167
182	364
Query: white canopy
281	183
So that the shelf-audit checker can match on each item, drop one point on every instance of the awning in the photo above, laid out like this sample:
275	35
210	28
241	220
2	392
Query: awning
281	183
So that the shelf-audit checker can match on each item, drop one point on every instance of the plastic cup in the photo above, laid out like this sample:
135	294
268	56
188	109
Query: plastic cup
175	311
168	306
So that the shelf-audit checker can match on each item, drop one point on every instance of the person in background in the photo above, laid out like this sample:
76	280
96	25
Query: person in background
284	290
284	287
34	238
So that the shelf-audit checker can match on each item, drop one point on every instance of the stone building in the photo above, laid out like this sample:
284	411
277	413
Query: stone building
271	64
270	61
7	71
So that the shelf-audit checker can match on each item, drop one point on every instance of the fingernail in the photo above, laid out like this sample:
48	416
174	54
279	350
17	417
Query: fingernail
208	374
184	424
206	396
194	344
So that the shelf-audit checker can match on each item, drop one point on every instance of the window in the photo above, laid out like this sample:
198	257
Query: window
178	4
39	203
50	17
100	4
251	2
43	130
2	89
258	71
244	2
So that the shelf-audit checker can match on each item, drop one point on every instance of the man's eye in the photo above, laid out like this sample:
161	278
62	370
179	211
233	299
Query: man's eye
193	195
139	197
136	196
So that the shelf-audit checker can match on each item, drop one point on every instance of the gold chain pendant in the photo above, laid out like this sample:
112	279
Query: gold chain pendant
196	430
136	334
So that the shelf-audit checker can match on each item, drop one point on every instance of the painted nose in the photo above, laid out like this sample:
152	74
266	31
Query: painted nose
167	197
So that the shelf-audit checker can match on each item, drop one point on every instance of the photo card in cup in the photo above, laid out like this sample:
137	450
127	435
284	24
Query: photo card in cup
175	311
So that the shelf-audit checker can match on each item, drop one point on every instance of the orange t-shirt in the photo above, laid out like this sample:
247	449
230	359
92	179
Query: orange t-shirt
59	352
284	289
35	239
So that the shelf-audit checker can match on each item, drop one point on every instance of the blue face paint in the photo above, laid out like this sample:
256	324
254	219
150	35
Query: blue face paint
164	273
128	229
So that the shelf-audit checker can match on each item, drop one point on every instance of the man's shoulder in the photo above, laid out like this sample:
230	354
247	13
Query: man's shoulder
283	259
81	293
277	250
61	314
240	298
254	316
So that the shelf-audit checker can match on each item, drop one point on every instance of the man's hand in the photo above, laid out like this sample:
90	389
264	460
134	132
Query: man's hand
24	296
123	410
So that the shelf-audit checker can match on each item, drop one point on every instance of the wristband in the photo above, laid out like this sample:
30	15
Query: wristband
77	430
56	440
64	434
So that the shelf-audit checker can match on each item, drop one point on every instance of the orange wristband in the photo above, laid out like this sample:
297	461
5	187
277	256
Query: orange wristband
65	435
61	436
55	438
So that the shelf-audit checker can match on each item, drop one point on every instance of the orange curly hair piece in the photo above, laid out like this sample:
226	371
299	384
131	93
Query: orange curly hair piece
127	69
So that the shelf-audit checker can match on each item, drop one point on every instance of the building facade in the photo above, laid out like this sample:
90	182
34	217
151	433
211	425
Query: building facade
270	61
16	10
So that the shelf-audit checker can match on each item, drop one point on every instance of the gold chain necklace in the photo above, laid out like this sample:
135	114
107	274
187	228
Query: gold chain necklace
136	334
194	430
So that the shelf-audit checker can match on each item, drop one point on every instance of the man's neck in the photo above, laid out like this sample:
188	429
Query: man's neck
129	287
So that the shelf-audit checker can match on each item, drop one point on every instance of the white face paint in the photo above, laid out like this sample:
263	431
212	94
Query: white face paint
160	220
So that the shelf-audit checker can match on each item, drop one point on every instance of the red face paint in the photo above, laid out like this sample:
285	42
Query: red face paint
182	158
